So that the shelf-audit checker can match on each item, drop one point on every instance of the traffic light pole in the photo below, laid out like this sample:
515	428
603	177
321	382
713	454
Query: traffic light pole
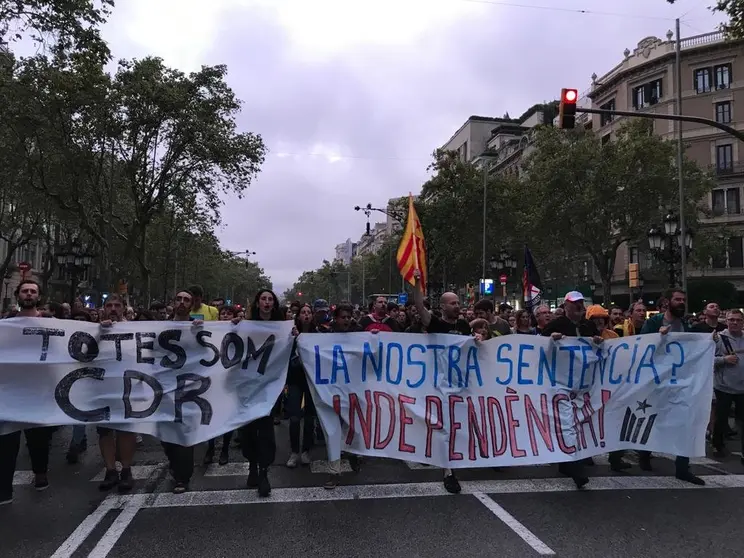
676	117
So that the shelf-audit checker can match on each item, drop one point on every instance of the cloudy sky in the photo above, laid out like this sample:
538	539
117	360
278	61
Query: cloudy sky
352	96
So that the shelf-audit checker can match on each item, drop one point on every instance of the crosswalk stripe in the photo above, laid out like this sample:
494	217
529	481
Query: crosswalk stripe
139	472
23	477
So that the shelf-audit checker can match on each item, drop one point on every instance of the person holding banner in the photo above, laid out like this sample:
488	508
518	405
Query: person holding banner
257	438
671	320
573	324
113	442
181	458
451	323
299	392
37	439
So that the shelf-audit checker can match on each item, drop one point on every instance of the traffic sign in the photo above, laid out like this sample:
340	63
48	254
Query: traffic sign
402	298
503	278
24	266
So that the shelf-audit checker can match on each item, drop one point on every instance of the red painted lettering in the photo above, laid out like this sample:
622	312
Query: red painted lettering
454	427
403	420
541	421
512	424
365	418
562	445
492	404
476	431
382	444
432	401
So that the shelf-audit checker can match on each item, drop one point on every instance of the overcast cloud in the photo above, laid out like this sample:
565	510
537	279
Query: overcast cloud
351	97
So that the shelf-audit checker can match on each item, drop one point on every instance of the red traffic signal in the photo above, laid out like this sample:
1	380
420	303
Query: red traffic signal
567	108
299	294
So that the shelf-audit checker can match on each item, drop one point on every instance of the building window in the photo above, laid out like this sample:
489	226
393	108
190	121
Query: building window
605	139
702	80
735	254
633	255
722	74
726	201
462	151
725	158
605	119
723	112
647	94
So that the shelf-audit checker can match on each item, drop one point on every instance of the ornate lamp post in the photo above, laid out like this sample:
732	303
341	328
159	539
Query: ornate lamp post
76	261
505	264
667	244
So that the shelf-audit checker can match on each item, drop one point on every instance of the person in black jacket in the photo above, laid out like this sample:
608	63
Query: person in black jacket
297	392
573	324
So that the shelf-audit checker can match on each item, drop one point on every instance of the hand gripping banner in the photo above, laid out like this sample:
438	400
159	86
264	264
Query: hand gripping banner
448	401
181	383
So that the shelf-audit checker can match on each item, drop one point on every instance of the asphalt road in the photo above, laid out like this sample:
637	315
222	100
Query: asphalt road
389	508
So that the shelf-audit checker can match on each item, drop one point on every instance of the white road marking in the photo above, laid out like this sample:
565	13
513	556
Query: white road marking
83	531
525	534
117	528
139	472
416	490
23	477
321	466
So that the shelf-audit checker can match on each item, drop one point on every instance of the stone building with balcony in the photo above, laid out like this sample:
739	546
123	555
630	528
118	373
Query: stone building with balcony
712	75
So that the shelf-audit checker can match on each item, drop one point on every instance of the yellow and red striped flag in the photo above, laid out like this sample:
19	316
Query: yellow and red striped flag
412	249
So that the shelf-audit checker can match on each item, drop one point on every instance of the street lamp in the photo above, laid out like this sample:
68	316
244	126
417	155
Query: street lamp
76	261
400	218
667	244
505	264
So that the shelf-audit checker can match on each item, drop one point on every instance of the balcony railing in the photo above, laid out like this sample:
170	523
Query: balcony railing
723	170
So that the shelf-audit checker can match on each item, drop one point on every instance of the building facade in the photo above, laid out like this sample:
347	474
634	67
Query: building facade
712	75
346	251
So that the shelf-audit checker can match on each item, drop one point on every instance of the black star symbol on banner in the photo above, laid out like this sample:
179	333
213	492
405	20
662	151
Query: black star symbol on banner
642	406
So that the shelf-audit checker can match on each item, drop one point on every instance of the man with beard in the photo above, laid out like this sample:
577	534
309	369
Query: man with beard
378	319
37	439
181	458
670	321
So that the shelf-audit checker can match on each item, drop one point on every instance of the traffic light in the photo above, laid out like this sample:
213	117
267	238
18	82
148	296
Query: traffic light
567	109
633	275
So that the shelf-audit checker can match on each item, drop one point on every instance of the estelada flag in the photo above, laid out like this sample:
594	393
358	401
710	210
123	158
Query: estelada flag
412	249
531	284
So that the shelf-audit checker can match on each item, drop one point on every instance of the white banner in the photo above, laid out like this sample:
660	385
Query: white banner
181	383
448	401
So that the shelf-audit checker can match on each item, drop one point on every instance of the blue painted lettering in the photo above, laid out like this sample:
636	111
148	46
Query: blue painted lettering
505	360
411	362
397	348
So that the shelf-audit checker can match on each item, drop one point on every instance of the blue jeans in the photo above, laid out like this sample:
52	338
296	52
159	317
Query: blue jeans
79	437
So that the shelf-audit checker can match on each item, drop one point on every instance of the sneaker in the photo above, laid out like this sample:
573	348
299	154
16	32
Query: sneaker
224	457
264	488
305	458
126	482
41	482
180	488
332	481
109	481
252	481
6	499
451	484
292	461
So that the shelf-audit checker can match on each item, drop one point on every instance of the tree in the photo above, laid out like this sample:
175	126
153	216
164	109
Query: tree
65	26
451	211
734	10
126	147
588	198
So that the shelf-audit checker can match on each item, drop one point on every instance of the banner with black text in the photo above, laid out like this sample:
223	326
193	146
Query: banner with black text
448	401
179	382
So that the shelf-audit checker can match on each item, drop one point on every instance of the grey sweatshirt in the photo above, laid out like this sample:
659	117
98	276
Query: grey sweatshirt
729	378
